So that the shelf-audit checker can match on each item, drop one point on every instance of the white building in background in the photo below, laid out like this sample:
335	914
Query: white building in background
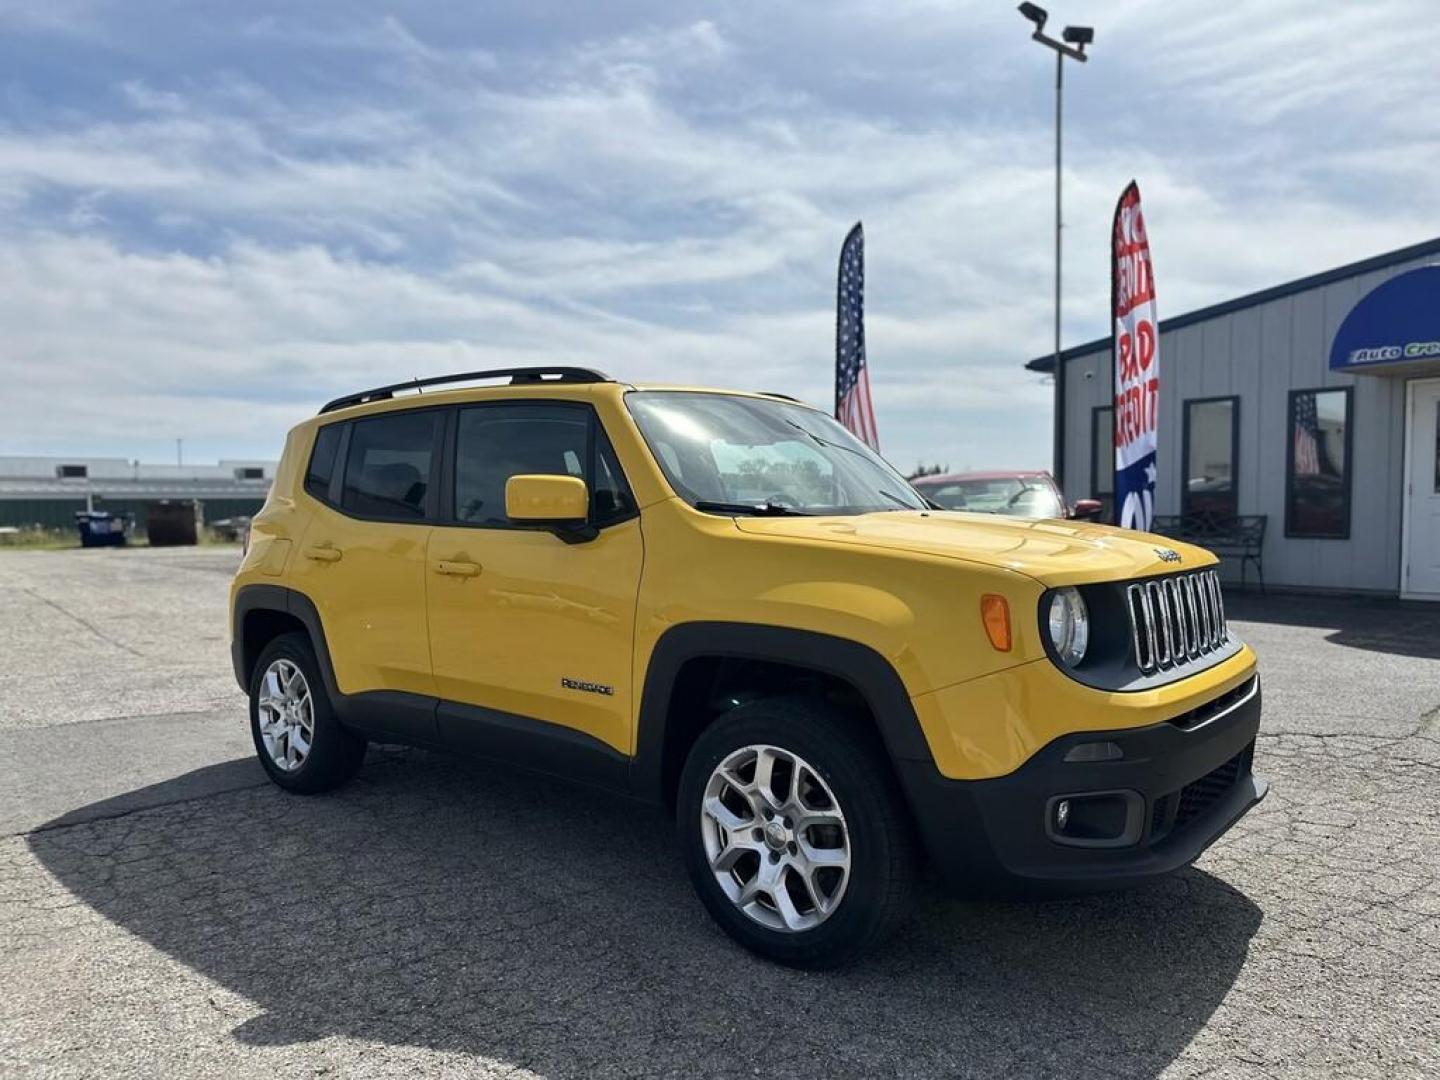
47	491
1315	404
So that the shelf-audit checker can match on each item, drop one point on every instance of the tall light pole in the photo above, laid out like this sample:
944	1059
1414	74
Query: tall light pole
1073	46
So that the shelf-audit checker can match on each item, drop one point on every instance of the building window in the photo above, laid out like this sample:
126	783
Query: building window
1317	488
1102	451
249	472
1210	457
1102	460
72	472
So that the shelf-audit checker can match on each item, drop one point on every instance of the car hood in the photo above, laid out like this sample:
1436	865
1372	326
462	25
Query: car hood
1052	552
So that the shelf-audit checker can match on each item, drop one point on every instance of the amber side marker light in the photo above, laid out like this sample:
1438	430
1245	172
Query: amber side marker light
995	613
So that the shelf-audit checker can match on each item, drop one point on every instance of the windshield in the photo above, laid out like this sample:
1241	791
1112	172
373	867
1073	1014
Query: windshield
752	455
1014	495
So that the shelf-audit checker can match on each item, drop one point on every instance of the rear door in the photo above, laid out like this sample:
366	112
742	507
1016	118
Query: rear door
362	559
525	626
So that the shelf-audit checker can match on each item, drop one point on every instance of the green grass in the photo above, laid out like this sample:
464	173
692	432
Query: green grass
69	540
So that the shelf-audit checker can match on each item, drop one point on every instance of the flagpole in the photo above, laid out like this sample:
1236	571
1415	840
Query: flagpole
1059	420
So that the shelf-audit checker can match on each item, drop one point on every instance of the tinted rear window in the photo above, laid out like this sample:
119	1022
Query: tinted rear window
387	469
322	461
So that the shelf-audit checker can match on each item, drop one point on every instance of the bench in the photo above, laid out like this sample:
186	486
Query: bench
1239	535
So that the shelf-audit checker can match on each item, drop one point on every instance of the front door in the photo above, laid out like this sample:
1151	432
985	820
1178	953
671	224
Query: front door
525	625
1422	487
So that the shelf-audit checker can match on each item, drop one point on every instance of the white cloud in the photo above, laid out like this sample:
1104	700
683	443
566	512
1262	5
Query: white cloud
213	249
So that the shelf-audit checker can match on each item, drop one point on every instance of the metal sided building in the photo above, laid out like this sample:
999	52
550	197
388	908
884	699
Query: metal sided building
47	491
1315	404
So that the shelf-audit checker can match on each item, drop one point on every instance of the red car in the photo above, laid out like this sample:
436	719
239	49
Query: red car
1024	494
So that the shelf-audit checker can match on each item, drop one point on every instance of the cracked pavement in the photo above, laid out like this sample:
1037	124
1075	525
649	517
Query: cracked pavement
164	911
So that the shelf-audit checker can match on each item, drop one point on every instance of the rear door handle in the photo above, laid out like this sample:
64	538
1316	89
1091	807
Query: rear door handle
457	568
323	553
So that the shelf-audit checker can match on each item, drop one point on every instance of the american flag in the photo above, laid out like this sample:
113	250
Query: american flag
853	407
1307	436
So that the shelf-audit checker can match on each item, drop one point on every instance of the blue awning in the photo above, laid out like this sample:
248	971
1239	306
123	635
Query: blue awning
1396	324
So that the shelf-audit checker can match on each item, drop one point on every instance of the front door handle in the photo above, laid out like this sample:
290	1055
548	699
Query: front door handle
323	553
457	568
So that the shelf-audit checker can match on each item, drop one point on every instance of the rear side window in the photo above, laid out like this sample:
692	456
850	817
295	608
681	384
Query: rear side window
387	469
322	461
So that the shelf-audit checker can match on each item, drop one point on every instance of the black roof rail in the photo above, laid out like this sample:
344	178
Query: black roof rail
517	376
782	397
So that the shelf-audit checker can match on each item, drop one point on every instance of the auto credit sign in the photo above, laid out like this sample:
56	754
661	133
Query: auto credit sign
1397	322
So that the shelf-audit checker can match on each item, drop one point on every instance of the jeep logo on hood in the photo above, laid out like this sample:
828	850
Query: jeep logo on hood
1167	554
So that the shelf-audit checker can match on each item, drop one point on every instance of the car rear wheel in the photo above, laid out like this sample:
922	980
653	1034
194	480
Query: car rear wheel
300	742
794	834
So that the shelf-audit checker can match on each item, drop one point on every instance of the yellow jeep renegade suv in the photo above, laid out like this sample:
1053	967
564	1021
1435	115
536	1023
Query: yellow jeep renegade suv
725	604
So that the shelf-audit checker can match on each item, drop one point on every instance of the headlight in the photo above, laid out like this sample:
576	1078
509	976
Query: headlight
1069	626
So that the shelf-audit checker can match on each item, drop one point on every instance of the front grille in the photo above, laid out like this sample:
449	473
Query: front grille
1176	810
1203	714
1176	619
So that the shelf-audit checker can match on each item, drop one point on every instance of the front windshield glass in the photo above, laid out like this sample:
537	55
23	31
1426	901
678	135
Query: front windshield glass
1013	495
753	455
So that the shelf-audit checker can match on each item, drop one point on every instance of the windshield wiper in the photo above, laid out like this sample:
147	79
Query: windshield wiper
764	509
898	501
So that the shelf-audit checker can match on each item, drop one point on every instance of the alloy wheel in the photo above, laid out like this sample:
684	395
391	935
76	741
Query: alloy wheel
775	838
287	714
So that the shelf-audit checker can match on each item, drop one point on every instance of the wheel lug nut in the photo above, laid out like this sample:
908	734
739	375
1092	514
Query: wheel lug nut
759	834
792	847
787	823
774	856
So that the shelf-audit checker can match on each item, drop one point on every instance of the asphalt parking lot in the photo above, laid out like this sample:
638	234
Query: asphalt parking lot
166	912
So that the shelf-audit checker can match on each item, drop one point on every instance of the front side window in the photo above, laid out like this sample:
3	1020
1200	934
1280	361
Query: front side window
1013	496
387	469
496	442
1317	491
730	454
1210	452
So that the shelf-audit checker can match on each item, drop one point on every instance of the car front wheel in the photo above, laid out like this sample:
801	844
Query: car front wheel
794	834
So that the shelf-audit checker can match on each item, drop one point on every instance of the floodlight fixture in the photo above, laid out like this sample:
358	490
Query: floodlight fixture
1036	14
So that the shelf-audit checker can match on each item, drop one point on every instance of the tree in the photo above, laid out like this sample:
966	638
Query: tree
921	469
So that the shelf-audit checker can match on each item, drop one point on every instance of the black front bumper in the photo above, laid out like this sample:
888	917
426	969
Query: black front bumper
1182	783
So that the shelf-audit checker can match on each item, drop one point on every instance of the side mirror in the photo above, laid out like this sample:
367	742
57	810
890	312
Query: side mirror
1087	509
559	503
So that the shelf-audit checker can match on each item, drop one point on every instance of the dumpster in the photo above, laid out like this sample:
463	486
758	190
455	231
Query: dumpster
173	523
100	528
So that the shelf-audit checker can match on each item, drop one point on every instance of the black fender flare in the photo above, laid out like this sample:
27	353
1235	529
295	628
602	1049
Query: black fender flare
277	598
873	677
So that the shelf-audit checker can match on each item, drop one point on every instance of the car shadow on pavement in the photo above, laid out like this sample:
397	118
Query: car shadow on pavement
473	910
1378	624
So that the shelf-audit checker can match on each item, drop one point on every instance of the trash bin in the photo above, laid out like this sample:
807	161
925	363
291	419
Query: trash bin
100	528
173	523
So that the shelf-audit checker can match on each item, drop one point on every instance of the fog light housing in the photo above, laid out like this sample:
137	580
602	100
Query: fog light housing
1095	819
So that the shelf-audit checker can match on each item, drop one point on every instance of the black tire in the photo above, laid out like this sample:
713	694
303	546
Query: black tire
851	760
335	752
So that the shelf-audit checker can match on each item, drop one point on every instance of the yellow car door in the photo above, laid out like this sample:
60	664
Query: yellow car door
362	559
532	632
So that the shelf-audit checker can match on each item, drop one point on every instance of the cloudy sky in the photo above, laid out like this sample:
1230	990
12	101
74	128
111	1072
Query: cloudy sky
211	220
